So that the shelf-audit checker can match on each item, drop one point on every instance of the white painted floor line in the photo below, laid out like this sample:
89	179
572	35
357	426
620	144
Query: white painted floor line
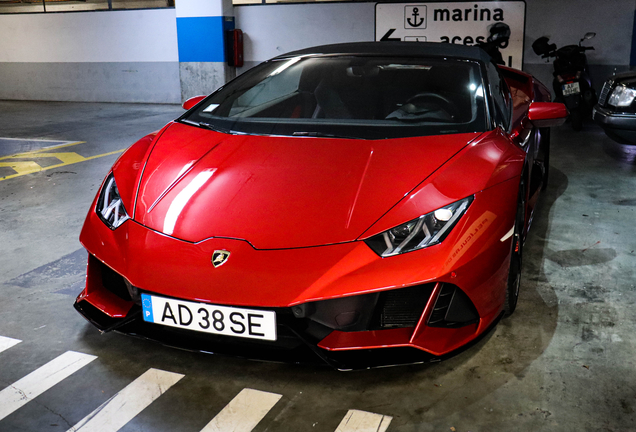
40	380
7	342
243	412
362	421
125	405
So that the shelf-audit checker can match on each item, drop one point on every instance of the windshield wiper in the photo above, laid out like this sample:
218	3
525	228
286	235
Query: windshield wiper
210	127
216	128
418	119
323	135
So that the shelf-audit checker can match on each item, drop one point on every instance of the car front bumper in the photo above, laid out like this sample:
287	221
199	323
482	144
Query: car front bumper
621	127
449	293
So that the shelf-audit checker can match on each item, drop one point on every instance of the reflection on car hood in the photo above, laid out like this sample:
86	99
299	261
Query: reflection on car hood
280	192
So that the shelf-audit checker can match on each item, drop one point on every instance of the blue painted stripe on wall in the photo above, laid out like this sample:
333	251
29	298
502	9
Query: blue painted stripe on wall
201	39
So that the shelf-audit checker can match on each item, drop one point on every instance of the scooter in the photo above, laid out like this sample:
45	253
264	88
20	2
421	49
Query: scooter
572	82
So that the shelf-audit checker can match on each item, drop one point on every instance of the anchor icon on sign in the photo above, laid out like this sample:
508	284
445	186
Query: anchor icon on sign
415	14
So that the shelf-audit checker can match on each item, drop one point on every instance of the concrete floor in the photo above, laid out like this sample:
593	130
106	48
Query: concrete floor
564	361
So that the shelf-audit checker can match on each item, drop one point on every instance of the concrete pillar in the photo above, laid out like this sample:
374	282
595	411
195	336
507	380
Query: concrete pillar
201	26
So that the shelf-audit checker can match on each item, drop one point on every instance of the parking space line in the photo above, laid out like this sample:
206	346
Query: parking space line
30	166
243	412
125	405
7	342
362	421
40	380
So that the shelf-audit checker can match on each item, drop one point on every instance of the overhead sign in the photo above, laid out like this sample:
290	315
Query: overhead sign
464	23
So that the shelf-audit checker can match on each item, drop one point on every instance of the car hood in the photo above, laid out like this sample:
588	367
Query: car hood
280	192
625	77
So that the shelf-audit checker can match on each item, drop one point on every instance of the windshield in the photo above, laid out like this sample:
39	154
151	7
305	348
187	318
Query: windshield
349	96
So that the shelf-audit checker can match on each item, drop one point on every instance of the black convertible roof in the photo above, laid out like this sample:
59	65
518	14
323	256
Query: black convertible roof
398	49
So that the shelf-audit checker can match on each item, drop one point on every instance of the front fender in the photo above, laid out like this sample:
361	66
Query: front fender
488	161
129	167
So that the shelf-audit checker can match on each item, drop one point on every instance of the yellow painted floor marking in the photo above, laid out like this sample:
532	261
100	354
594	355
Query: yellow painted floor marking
65	157
23	168
25	154
29	167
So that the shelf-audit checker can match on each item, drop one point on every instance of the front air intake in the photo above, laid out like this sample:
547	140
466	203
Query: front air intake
113	281
402	307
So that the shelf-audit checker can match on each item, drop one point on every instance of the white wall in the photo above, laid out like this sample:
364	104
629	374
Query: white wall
117	36
132	56
151	35
566	21
271	30
110	56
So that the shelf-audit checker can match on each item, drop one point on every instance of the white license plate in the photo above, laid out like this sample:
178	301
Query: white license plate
207	318
571	88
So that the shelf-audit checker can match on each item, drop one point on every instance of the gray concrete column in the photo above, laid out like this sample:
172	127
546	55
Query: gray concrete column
201	35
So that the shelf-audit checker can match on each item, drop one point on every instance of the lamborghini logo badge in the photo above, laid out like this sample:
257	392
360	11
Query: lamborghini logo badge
219	257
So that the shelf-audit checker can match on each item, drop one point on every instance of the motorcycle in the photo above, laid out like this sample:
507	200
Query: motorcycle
572	82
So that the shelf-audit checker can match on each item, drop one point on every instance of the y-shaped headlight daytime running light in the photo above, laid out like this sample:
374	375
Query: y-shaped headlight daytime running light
427	230
110	208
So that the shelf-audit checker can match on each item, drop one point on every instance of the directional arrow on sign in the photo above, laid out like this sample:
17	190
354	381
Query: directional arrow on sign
387	37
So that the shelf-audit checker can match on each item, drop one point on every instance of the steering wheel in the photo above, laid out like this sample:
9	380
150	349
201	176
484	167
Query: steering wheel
426	106
441	102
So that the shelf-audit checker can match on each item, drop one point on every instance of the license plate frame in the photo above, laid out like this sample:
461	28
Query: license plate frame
571	89
209	318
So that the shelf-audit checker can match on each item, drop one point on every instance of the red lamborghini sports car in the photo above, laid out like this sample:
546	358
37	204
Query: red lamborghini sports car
360	203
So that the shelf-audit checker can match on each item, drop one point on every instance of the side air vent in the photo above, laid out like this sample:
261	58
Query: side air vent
115	283
453	309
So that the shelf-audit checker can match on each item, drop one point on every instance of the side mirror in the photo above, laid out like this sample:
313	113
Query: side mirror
589	36
192	102
547	114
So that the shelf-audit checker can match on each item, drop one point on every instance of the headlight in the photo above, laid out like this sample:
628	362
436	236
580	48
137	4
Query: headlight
110	208
427	230
622	96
